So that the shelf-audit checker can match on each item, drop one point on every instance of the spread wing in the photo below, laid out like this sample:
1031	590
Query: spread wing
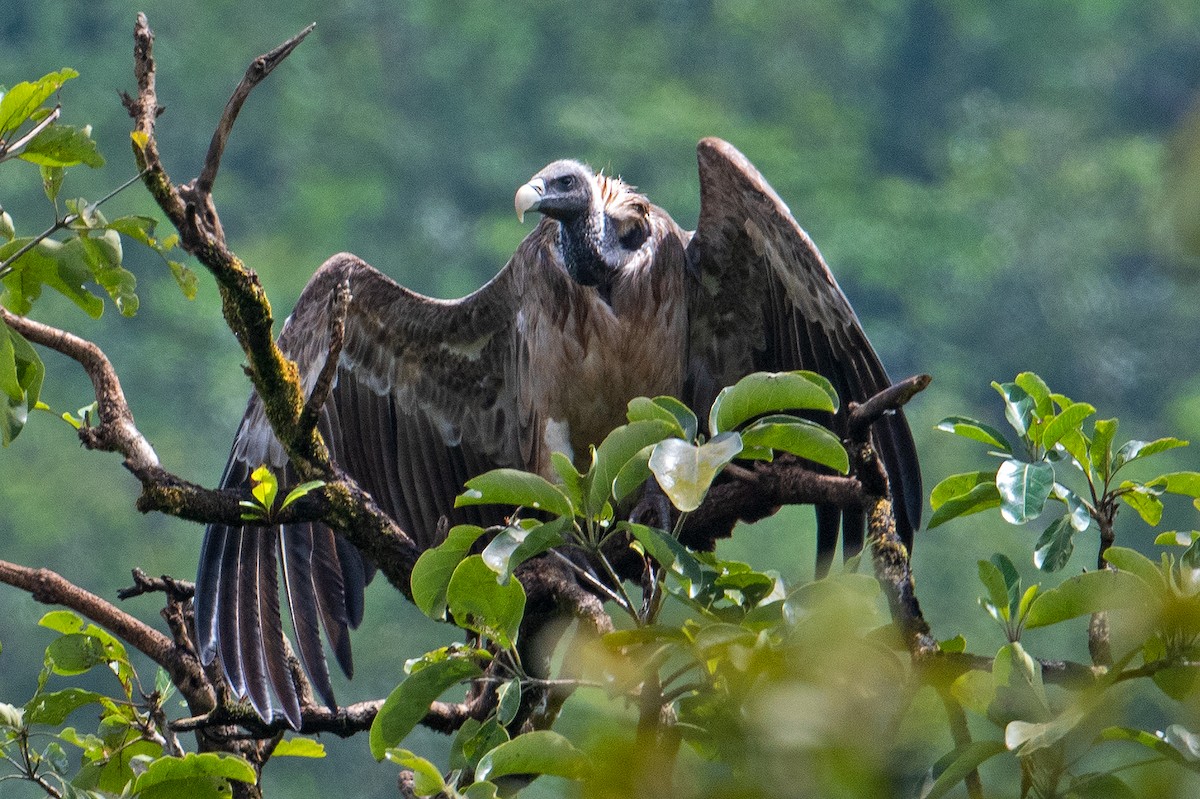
425	398
765	299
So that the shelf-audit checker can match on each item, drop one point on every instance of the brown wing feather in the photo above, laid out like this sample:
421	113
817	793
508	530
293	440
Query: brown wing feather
425	398
764	299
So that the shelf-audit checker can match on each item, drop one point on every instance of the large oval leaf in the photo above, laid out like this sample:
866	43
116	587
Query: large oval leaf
766	392
431	575
1088	593
685	471
409	702
802	438
616	450
537	752
515	487
1024	488
478	602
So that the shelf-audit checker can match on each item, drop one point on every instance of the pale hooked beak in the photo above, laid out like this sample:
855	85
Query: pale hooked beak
529	197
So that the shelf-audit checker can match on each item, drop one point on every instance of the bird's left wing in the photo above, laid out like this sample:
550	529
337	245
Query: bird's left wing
765	300
425	398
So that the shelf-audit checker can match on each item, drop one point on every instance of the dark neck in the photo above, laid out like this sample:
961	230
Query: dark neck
582	255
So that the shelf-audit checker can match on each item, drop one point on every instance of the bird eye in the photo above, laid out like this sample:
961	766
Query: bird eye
566	182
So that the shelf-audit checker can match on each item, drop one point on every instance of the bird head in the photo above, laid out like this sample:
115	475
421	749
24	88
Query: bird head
561	191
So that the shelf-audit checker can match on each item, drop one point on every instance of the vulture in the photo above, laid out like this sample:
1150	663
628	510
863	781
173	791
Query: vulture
605	300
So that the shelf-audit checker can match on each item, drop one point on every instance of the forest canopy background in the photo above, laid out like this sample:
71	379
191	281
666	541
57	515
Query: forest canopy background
997	186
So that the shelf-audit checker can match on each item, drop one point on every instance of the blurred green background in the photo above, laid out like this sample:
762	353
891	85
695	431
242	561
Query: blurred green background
998	186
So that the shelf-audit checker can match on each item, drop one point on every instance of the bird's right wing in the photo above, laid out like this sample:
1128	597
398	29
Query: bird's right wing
425	398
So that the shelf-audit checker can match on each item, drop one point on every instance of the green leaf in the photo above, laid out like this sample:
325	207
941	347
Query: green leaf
189	284
53	708
1055	545
1077	511
515	487
1018	406
1135	562
1144	500
1102	438
60	266
666	549
478	602
957	485
618	447
537	752
299	747
182	770
1133	450
103	255
473	740
980	498
952	769
427	779
1067	420
633	474
62	145
767	392
62	621
515	545
999	578
667	409
432	572
1038	391
264	487
1185	483
1024	488
976	431
300	491
23	99
572	480
1088	593
52	180
800	437
508	701
75	653
410	701
21	376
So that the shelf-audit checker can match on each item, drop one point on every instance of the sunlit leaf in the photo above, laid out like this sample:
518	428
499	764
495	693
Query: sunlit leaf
957	485
800	437
685	471
427	779
61	146
980	498
515	487
299	747
618	447
976	431
1144	500
512	546
1018	406
1067	420
1038	391
766	392
1024	488
1055	545
23	99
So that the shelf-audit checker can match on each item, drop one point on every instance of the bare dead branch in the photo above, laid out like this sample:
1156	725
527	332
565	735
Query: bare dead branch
179	590
258	70
117	431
